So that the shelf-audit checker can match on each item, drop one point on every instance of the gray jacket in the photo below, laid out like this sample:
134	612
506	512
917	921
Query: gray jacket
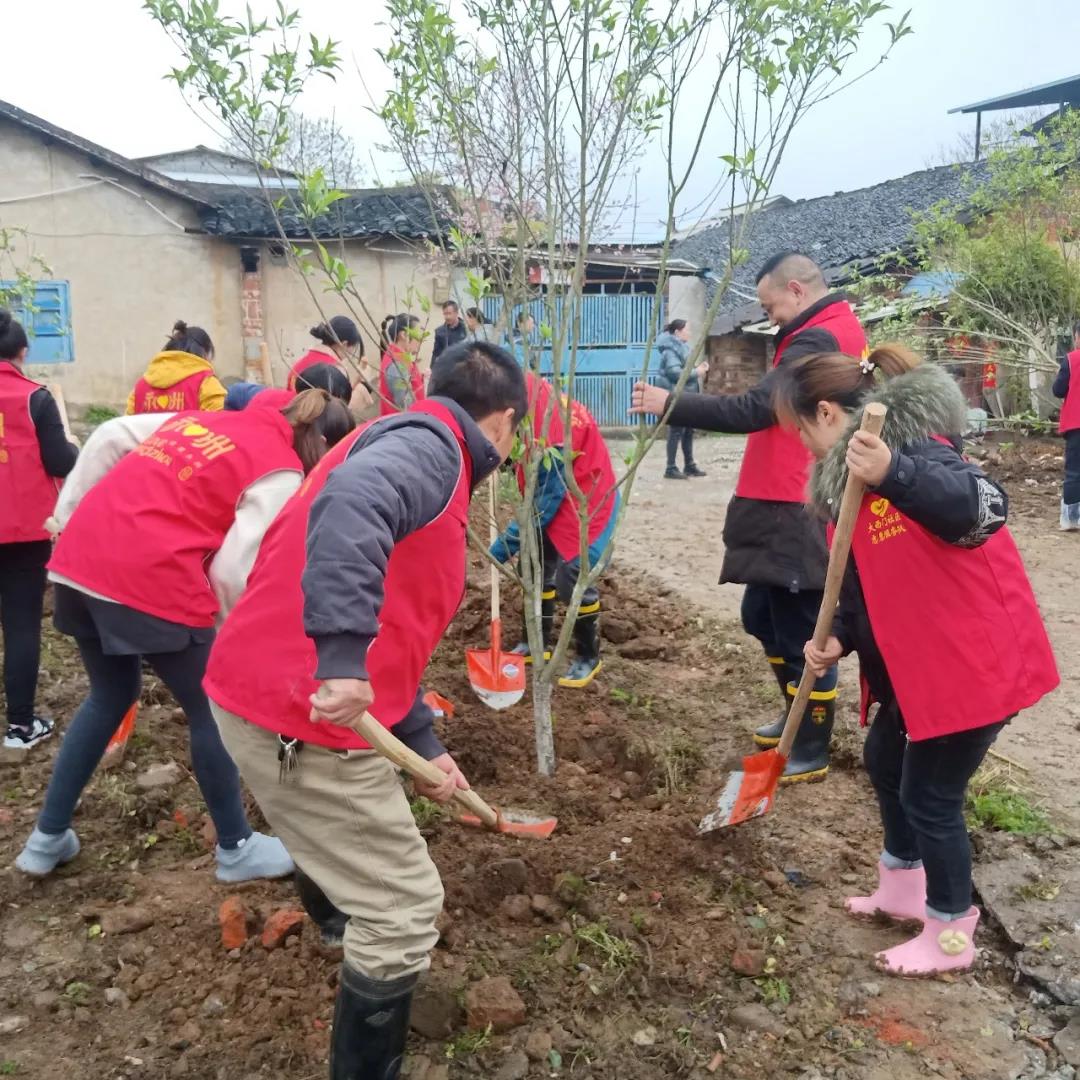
397	478
674	355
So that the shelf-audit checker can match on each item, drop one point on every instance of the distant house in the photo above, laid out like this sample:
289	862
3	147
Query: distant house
848	233
135	245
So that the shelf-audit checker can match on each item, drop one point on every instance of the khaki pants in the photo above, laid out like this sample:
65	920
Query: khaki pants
347	824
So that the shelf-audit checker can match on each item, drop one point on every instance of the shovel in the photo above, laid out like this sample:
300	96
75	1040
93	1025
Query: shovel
749	792
497	678
477	811
114	752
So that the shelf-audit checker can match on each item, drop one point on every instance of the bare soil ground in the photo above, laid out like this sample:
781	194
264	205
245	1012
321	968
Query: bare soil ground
641	951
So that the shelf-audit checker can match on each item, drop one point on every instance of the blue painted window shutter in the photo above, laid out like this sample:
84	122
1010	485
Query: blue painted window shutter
49	324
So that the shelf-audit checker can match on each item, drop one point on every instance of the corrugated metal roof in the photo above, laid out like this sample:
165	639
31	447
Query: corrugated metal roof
1061	92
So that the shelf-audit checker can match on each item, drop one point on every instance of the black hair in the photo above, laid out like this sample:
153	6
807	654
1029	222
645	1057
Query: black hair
339	329
524	316
1076	328
450	303
477	314
805	269
13	337
393	326
190	339
328	377
482	378
674	326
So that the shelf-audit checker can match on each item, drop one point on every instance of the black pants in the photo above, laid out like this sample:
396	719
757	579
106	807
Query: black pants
676	437
783	621
22	596
1070	493
920	788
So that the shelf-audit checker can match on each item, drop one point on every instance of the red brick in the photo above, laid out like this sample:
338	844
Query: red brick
280	925
235	920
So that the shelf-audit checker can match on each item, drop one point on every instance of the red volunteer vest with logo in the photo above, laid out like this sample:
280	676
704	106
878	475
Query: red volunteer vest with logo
272	398
27	492
182	396
397	356
1070	408
589	459
145	533
262	666
775	465
310	359
958	628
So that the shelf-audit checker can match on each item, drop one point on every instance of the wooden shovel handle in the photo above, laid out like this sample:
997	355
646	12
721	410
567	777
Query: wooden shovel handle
61	407
493	533
872	420
397	753
265	367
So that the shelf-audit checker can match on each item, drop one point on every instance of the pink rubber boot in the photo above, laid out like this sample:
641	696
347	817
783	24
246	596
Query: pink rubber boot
941	947
901	894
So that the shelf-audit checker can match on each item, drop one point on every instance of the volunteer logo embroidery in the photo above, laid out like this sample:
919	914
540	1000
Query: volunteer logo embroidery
888	525
158	402
188	442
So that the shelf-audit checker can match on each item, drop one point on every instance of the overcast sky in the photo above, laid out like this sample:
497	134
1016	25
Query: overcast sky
96	69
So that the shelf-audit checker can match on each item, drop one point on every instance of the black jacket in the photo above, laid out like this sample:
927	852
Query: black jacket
445	337
928	481
766	543
57	454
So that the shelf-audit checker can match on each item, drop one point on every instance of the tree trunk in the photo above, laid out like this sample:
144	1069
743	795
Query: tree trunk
545	738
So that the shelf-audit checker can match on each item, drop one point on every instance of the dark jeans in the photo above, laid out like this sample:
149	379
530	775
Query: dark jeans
676	437
920	788
114	685
783	621
1070	493
22	596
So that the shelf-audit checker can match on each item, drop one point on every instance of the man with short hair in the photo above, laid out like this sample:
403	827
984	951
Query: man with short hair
354	585
452	332
770	544
1067	387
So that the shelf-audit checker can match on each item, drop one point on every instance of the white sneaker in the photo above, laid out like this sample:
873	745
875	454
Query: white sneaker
18	738
1070	517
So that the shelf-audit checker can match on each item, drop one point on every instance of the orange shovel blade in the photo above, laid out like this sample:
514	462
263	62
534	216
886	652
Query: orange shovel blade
497	678
516	824
748	793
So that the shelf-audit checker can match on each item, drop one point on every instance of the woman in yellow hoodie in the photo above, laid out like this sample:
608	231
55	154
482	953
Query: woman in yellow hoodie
181	377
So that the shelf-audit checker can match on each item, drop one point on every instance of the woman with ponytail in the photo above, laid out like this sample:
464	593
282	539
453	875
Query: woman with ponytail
180	377
401	383
340	346
938	607
160	521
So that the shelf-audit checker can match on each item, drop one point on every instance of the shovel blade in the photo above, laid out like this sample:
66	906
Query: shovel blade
497	678
515	823
748	793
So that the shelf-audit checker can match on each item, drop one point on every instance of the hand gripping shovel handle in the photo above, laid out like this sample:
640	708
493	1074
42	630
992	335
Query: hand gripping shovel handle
397	753
872	421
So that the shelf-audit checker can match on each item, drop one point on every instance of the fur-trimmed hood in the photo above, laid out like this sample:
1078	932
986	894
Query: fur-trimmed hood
924	402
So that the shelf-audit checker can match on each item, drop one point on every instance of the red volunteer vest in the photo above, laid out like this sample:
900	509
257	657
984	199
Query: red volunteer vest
966	648
590	461
272	398
262	666
416	379
182	396
1070	408
775	465
27	492
144	534
310	359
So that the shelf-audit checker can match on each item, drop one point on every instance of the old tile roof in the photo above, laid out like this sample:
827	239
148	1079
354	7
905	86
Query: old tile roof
838	231
98	155
405	212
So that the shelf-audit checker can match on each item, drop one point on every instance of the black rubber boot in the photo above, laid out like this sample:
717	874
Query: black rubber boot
371	1022
809	758
547	627
587	664
673	472
768	735
693	471
329	919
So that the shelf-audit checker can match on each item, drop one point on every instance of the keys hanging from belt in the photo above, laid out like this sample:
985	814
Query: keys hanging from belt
288	758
